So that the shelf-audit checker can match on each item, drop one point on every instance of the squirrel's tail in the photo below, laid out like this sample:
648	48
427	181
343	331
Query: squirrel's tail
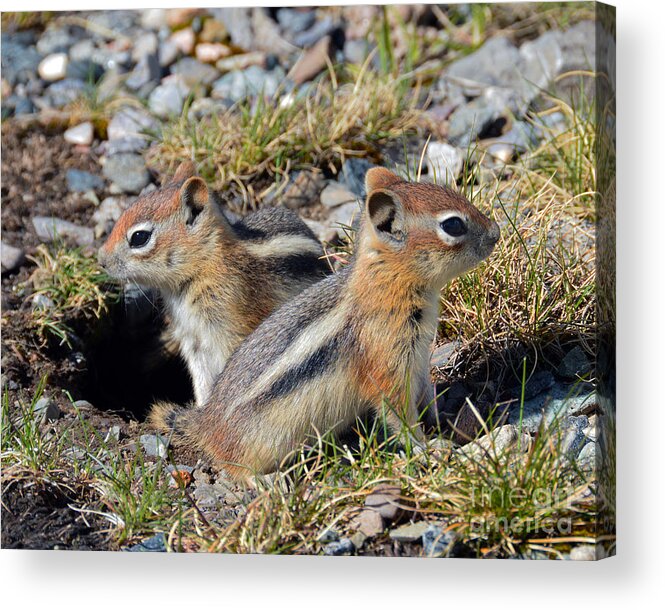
170	418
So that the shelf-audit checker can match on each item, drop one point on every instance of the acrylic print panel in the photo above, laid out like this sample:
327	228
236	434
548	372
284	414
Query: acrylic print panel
226	329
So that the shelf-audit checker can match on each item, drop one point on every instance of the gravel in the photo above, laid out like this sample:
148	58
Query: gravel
12	257
79	181
49	228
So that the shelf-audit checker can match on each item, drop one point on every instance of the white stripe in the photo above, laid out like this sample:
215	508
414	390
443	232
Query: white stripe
283	246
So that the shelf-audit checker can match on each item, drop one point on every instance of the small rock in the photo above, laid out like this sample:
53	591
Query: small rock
327	535
303	189
358	540
320	29
356	51
108	213
437	543
80	134
193	72
49	228
411	532
312	61
154	544
205	107
496	443
336	194
167	53
253	81
127	171
583	552
210	52
79	181
154	445
178	17
444	162
213	31
153	18
53	67
46	410
64	92
183	40
168	98
242	61
385	499
295	20
83	405
539	382
113	435
588	457
130	123
12	258
572	436
343	546
443	354
145	44
369	522
41	301
574	364
342	217
147	70
353	175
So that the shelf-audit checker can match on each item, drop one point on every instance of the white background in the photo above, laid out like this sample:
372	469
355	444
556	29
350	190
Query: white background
635	578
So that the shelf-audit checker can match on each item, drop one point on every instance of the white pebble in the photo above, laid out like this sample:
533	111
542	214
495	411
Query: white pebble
53	67
80	134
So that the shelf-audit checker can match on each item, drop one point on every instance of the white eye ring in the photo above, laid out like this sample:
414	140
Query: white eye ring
146	227
446	237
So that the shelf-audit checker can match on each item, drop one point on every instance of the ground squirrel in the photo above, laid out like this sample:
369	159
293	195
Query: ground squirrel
349	344
218	279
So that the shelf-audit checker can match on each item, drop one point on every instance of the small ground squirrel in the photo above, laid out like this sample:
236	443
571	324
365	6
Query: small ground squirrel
349	344
218	279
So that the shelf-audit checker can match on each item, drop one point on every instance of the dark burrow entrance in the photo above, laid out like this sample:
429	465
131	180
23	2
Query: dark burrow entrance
130	362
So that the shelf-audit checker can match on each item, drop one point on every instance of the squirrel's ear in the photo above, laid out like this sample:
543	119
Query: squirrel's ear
185	170
194	196
385	215
379	178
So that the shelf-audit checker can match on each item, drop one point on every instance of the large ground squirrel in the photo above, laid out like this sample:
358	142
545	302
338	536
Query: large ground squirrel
351	343
218	279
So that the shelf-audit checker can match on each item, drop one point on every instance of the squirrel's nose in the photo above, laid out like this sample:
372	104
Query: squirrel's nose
102	257
494	233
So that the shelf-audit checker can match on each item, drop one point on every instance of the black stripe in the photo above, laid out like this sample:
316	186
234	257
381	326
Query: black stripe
314	366
298	265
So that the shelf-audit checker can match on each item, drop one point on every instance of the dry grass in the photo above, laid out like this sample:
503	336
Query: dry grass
254	148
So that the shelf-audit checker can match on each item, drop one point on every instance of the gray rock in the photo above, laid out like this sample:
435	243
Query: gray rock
557	402
58	39
116	146
154	445
541	61
80	134
153	18
589	456
41	301
168	53
444	162
19	62
437	543
113	435
64	92
411	532
521	137
19	104
255	80
127	171
83	50
49	228
572	437
443	354
356	51
327	535
385	499
131	123
12	257
85	70
336	194
295	21
574	364
154	544
538	383
343	546
238	24
312	35
342	217
205	107
46	410
583	552
169	98
145	44
146	71
107	214
53	67
353	175
496	443
194	72
79	181
578	45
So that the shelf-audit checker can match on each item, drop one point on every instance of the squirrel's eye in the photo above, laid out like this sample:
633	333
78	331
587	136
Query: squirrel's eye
139	239
454	226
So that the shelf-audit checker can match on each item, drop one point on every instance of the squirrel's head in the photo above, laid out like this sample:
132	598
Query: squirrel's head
433	231
153	241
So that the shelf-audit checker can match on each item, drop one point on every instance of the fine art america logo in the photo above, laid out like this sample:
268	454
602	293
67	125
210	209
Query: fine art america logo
519	511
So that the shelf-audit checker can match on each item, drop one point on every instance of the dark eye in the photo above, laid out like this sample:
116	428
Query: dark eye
139	239
454	226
